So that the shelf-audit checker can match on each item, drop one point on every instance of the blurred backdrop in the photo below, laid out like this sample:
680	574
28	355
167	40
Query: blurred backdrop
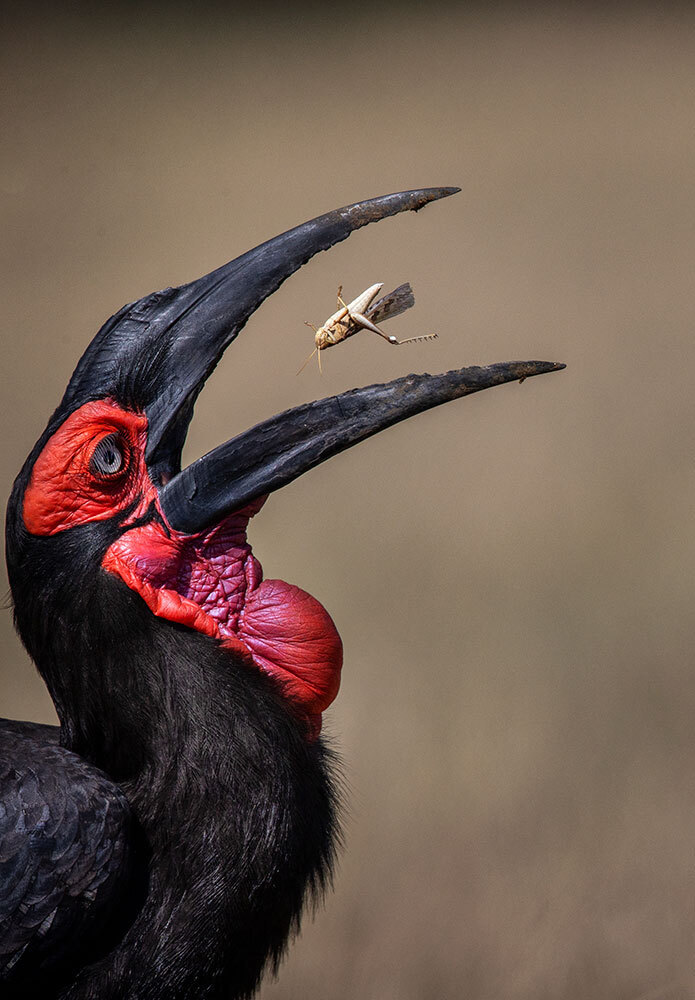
512	574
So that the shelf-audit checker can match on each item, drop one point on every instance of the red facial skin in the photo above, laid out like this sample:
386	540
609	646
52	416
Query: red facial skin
64	492
209	581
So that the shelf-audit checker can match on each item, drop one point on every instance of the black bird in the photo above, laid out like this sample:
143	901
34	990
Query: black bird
163	840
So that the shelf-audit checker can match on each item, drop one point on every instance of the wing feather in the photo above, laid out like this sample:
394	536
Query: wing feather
65	856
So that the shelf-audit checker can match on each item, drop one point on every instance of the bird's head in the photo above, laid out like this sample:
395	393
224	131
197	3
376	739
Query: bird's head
103	525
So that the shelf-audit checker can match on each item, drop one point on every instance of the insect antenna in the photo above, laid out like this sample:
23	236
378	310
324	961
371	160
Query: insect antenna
308	360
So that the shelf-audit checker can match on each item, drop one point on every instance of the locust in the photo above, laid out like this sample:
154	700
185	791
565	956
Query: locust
363	313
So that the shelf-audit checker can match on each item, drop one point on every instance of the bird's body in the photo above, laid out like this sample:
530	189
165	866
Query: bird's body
215	835
218	814
161	843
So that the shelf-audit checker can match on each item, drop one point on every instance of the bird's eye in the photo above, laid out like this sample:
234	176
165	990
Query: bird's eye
108	458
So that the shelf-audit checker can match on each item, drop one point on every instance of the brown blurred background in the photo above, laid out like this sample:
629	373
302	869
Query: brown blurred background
512	574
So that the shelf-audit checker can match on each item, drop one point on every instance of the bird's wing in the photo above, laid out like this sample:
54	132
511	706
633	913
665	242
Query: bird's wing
66	867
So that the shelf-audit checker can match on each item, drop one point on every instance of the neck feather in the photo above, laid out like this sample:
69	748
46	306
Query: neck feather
234	808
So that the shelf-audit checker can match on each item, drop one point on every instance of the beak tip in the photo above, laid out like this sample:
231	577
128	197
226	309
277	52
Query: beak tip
527	368
426	195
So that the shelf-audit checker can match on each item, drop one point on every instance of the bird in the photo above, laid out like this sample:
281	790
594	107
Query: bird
163	840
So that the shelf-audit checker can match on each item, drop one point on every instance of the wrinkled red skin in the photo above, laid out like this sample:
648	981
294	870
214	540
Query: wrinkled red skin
63	492
209	581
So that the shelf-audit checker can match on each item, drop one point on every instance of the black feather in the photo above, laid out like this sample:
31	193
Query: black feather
235	810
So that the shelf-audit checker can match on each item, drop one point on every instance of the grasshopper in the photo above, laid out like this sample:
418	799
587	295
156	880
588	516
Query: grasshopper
363	314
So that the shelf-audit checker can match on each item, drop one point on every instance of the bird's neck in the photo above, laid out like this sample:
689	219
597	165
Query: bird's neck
235	809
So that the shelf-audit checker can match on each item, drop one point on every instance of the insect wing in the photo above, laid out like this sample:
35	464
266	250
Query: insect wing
393	304
360	304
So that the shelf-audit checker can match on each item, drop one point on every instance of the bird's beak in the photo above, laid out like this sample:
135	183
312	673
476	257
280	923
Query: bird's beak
275	452
159	351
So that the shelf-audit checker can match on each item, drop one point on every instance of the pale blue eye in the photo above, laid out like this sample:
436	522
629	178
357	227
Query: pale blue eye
108	458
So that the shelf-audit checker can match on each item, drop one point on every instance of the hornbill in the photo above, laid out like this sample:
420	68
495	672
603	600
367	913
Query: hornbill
162	841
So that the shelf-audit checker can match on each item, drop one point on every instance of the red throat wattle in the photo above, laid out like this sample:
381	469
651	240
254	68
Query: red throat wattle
212	582
209	581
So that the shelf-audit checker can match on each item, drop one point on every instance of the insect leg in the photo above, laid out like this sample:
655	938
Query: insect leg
368	325
412	340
